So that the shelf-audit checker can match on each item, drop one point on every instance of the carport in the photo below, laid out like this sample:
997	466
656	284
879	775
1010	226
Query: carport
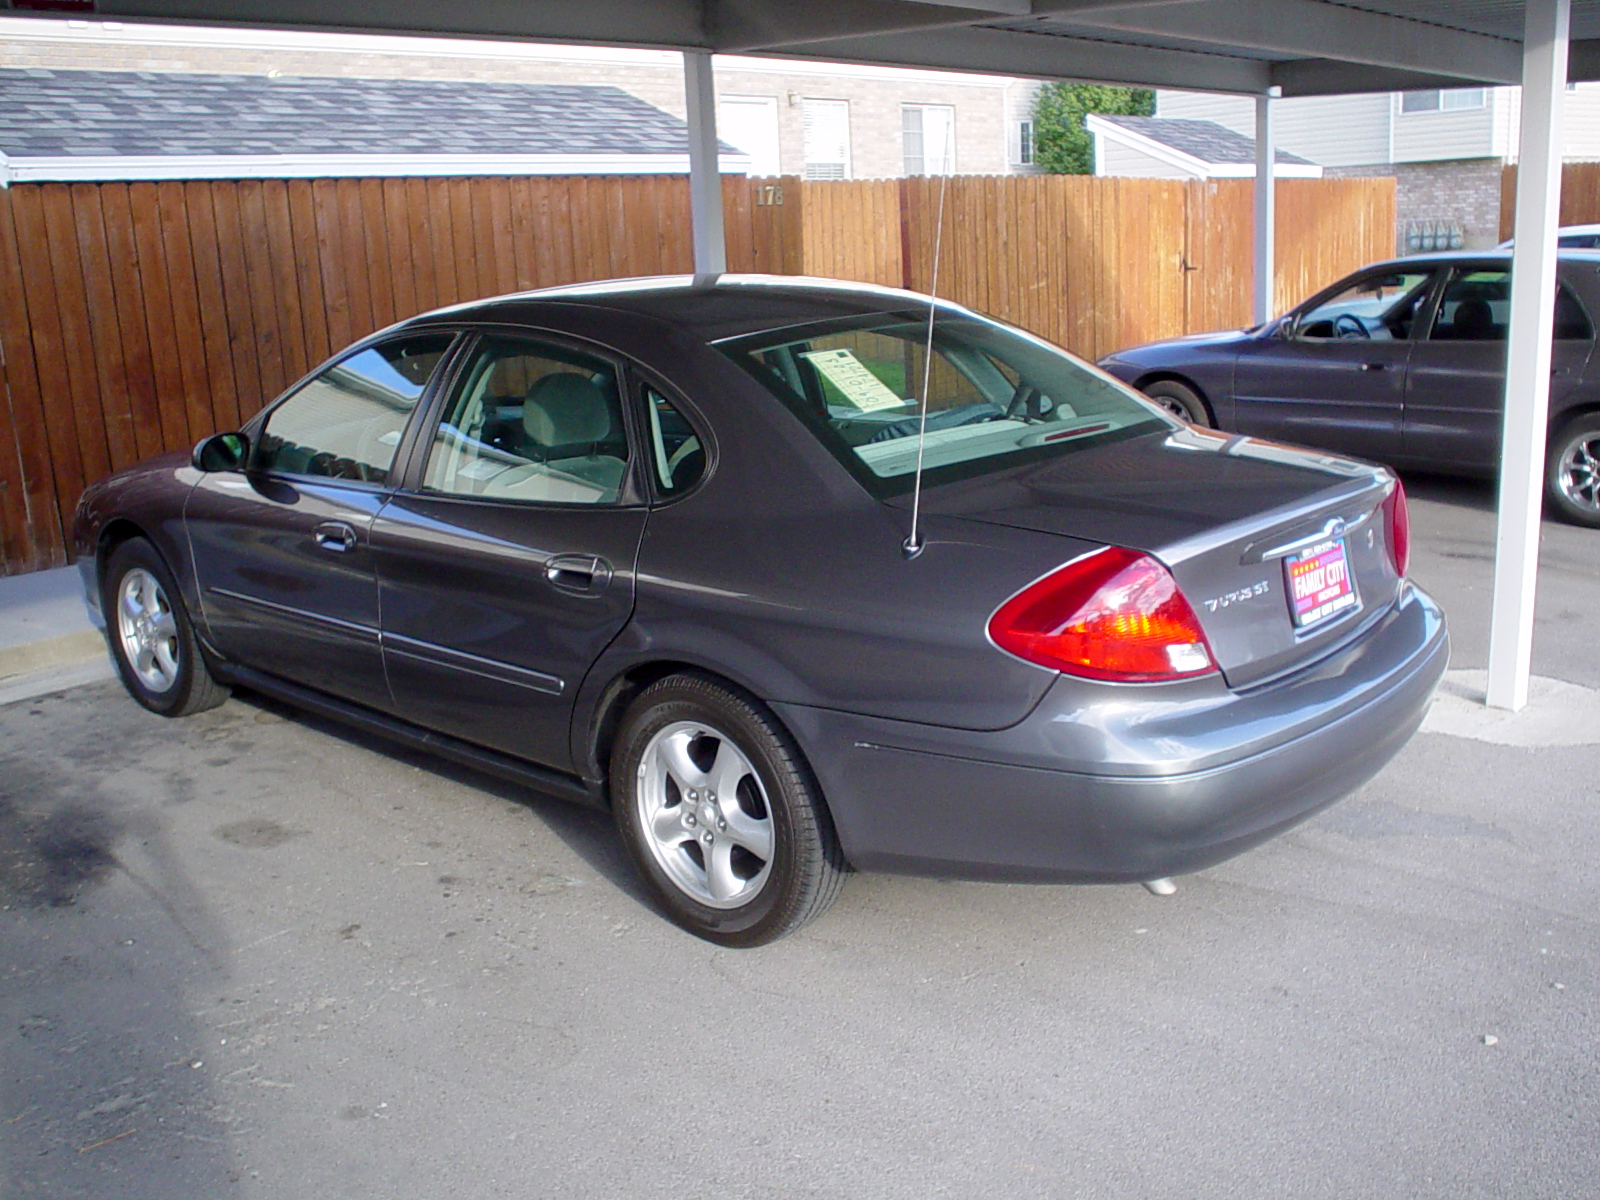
1264	48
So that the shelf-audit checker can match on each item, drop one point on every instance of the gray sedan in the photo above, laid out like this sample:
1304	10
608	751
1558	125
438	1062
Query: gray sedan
1402	362
794	577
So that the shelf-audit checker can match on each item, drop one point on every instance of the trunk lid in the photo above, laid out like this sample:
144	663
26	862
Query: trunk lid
1228	515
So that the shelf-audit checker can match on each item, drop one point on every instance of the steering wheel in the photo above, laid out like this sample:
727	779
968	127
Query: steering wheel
1346	325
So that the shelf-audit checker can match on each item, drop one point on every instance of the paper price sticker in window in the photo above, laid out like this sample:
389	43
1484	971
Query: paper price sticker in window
858	385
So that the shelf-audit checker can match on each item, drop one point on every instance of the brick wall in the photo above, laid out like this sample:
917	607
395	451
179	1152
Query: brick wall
1465	192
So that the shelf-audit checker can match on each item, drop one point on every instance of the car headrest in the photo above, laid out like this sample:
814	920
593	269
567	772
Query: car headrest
566	410
1474	320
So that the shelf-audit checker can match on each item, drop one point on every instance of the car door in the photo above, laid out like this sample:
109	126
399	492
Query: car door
1455	394
1334	375
282	548
508	564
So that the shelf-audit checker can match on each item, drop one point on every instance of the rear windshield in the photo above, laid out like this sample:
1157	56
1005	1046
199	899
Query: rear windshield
997	397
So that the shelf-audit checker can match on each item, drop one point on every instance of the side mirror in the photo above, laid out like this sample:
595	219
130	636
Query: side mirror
221	452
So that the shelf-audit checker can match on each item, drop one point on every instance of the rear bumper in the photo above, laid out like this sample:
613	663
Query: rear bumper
1107	784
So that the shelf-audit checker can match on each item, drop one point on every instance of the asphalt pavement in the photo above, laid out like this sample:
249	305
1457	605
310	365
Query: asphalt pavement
252	954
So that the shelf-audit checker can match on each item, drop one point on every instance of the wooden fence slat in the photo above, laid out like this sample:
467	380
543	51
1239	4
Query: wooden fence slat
128	295
207	253
32	535
115	414
243	339
305	239
297	358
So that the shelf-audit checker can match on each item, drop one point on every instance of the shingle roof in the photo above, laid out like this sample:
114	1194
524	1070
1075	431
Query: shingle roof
1205	140
128	113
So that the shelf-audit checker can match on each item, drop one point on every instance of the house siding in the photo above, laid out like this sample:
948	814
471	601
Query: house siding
1335	131
1441	136
1115	159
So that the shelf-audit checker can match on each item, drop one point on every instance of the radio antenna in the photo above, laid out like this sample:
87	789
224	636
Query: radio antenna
912	546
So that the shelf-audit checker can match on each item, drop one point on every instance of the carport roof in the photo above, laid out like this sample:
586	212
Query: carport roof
1301	46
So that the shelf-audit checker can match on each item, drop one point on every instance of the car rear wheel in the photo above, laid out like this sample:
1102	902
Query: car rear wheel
1178	399
152	639
1572	476
721	814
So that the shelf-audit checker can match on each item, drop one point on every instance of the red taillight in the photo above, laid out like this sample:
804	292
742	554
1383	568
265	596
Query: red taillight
1114	614
1399	529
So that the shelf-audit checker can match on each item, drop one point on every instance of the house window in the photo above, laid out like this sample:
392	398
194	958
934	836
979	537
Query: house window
929	131
1446	100
827	138
751	124
1024	155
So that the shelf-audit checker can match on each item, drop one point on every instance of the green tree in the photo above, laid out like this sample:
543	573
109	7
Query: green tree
1062	146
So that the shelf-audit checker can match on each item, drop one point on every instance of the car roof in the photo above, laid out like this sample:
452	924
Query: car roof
712	307
1496	254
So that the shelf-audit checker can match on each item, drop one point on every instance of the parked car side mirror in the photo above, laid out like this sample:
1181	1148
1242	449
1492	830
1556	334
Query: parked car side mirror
221	452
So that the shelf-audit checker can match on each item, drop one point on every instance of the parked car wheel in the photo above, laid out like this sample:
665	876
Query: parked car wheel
1573	471
1180	400
721	815
152	639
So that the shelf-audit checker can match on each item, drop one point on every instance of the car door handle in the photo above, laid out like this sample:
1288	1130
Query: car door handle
1371	367
335	537
581	574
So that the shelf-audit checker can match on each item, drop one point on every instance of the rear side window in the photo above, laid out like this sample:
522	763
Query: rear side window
346	422
995	395
532	421
1476	307
676	452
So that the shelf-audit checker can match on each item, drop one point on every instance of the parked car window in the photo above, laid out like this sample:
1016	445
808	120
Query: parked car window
1476	307
1381	308
675	448
996	395
531	421
346	422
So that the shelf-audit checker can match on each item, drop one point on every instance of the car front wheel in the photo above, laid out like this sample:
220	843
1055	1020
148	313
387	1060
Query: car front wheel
1572	476
152	639
721	815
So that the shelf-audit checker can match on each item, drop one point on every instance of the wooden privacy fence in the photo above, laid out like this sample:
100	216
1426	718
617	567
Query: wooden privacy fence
1580	195
137	317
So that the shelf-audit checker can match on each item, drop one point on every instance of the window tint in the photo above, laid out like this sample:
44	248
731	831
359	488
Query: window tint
675	450
346	423
996	396
1476	307
535	422
1378	308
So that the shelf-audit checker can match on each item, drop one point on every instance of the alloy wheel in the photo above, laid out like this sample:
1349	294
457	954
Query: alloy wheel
705	814
148	630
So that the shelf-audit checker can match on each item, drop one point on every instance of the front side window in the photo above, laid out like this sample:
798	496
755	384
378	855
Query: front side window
347	421
531	421
996	396
1379	308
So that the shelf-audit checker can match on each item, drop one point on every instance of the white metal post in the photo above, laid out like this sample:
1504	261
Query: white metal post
1266	206
705	177
1527	394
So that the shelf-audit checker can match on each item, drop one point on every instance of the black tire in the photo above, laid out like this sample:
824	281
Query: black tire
1572	471
1180	400
152	639
739	870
